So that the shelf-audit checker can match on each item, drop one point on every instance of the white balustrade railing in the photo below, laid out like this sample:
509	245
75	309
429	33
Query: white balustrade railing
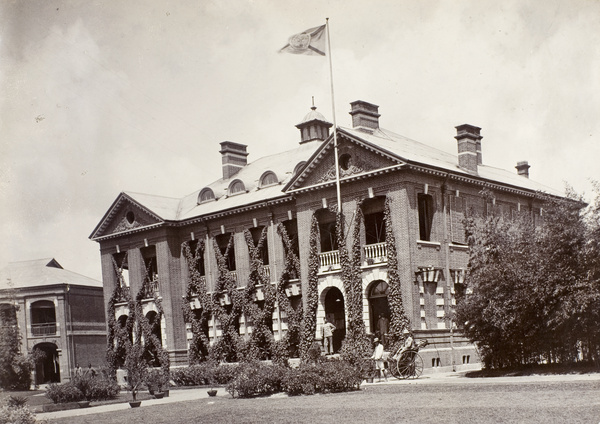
376	252
327	259
267	270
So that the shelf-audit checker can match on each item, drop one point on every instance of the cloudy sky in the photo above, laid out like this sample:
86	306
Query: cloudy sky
100	97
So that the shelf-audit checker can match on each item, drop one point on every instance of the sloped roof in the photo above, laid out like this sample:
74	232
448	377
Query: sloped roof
416	152
283	164
41	272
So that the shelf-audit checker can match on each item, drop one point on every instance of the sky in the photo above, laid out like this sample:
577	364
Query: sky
100	97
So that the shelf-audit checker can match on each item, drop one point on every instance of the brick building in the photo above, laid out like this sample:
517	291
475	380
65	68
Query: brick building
429	192
59	312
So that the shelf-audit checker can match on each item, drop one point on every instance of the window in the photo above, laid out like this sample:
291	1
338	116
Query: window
268	178
374	223
291	228
206	195
236	186
256	233
299	167
425	205
223	242
327	226
345	161
43	318
122	269
199	255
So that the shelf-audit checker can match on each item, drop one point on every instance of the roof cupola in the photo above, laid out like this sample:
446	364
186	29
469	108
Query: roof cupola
314	126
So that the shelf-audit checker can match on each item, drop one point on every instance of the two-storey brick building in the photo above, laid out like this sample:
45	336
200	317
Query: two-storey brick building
429	192
58	312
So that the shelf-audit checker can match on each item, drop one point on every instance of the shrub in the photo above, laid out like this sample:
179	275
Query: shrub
194	375
156	379
16	415
339	376
63	393
302	381
256	379
17	401
96	388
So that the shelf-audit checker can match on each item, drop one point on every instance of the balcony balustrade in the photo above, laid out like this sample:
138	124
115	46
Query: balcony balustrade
45	329
329	260
375	253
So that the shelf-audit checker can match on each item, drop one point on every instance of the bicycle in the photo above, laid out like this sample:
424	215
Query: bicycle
407	364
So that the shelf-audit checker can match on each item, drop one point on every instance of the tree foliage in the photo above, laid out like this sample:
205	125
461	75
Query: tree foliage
533	286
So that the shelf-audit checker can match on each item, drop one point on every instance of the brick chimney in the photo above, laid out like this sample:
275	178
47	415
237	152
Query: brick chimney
364	116
233	158
469	147
523	168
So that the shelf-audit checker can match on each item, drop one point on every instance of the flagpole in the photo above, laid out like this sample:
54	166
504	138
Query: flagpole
335	146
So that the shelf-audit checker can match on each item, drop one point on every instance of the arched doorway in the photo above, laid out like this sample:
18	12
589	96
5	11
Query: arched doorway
379	309
151	349
47	369
334	312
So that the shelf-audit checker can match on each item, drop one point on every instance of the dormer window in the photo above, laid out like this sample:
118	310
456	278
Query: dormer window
236	186
268	179
206	195
299	167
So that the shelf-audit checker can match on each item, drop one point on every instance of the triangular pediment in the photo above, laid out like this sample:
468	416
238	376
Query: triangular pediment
124	215
356	157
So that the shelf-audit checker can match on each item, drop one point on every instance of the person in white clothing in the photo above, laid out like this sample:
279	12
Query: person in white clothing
378	357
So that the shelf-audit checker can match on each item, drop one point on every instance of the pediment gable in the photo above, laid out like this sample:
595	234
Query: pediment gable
357	157
125	214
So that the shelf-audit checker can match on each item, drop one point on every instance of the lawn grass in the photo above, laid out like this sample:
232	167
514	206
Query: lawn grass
464	402
536	369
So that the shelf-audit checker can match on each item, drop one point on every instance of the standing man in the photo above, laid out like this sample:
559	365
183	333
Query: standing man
328	329
378	357
383	325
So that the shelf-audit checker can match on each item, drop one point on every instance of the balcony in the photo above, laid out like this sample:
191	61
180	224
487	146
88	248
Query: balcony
328	261
375	253
45	329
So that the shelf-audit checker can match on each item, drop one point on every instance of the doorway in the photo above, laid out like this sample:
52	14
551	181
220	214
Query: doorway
334	312
47	369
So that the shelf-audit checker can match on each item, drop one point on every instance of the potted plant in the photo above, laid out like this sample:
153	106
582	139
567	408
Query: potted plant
212	392
156	380
136	372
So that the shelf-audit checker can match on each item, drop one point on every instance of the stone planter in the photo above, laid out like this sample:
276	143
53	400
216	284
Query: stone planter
212	392
159	395
135	403
84	404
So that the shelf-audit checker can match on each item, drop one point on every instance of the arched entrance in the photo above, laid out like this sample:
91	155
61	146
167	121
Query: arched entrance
334	312
47	369
379	309
152	349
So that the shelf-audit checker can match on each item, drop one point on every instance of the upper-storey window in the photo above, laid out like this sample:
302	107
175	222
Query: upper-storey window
374	223
327	228
43	318
223	242
268	178
256	233
8	315
299	167
425	205
198	254
206	195
236	186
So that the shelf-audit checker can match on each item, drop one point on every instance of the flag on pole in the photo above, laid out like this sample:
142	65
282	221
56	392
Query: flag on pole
309	42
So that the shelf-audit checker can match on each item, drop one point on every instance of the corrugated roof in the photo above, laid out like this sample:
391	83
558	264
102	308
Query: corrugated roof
41	272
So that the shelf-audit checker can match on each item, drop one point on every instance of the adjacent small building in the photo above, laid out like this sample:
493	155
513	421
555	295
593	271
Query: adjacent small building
428	193
58	312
